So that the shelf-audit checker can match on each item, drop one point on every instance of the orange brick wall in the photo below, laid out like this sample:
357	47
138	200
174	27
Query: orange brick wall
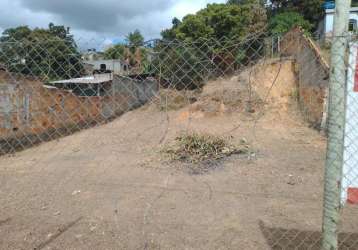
27	109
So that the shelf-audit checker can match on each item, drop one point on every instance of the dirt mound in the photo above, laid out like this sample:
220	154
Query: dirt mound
266	86
275	82
227	96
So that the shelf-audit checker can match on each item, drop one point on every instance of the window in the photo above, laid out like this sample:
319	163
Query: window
103	67
352	25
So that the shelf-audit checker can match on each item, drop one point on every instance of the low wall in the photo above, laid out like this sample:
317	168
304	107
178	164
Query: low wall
31	112
313	75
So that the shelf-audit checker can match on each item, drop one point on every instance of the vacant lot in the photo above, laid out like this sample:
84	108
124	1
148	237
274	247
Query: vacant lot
110	187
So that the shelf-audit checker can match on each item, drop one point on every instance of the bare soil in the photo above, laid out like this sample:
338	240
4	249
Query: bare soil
109	187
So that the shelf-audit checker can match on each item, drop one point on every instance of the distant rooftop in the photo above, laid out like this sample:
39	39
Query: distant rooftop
353	9
329	5
104	61
93	79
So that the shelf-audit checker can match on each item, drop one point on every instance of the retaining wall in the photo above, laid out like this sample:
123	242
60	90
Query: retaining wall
313	75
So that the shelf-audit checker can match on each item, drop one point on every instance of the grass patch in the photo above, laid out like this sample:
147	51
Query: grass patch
203	148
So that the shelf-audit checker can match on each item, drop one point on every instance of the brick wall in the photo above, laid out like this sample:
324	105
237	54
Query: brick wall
31	112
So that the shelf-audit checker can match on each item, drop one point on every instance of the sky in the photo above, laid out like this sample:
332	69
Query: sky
89	20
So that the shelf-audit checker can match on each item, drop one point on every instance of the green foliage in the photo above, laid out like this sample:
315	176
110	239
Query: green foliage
135	39
137	57
261	2
311	10
217	21
47	53
285	21
182	66
169	34
132	52
115	52
207	43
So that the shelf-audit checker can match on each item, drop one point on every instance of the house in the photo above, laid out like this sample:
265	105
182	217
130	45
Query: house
118	67
93	85
139	88
325	29
92	54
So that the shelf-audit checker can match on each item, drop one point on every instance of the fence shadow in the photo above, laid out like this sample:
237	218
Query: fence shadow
282	238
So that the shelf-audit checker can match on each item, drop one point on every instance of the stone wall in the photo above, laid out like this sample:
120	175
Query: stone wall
313	75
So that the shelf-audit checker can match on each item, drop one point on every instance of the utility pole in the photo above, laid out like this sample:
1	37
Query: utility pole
336	121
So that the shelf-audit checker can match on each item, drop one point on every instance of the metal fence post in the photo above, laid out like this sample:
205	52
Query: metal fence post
336	121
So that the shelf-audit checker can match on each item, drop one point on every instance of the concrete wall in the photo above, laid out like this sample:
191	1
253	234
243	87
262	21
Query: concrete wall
329	21
115	66
313	76
142	90
30	112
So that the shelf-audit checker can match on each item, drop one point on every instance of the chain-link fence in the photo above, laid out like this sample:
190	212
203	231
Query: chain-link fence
52	88
231	127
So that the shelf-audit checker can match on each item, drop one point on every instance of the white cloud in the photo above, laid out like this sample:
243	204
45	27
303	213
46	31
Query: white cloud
184	7
109	19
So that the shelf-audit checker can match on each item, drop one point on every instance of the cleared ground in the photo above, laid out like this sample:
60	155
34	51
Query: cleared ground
109	187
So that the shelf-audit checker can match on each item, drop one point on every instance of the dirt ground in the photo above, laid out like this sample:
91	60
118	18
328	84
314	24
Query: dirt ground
109	187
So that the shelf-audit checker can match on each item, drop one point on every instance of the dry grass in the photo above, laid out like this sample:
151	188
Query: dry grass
199	148
169	100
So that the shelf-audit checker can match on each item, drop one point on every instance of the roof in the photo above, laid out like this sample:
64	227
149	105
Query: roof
93	79
104	61
331	11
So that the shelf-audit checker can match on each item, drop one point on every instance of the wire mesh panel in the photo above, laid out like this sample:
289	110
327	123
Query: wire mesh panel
50	89
349	175
206	144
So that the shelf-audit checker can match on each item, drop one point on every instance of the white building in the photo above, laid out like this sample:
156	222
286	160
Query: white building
326	26
118	67
92	54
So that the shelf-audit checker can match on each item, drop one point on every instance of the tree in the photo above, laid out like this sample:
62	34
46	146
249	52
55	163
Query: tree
47	53
261	2
117	51
135	39
133	52
219	20
169	34
181	66
209	43
285	21
311	10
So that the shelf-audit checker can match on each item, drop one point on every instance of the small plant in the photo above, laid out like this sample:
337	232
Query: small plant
197	148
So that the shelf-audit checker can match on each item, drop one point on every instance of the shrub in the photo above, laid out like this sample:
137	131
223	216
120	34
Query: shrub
283	22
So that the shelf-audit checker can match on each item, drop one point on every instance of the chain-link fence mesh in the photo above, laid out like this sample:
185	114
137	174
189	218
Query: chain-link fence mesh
184	144
349	174
53	89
